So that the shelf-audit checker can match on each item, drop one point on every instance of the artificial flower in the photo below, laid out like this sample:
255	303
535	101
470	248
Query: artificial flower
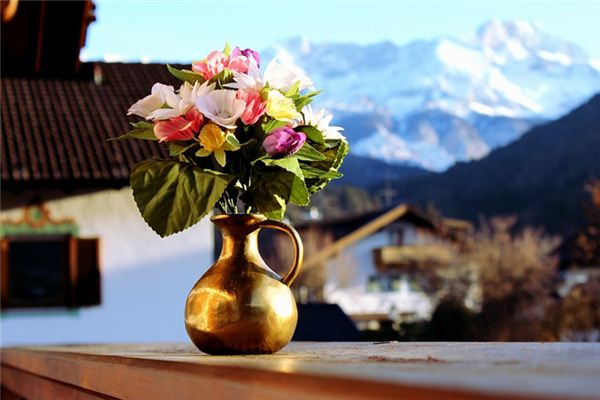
283	142
222	107
321	120
239	61
251	80
284	76
212	65
180	127
250	54
186	98
265	108
189	94
255	106
215	141
160	95
280	107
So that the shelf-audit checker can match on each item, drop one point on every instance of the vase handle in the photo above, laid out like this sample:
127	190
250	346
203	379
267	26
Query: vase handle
289	278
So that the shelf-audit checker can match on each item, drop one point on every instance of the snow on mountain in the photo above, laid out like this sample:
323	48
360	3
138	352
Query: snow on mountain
434	102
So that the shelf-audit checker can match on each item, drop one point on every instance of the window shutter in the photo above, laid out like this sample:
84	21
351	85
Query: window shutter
3	272
88	272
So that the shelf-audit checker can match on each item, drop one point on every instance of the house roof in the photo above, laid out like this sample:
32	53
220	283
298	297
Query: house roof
379	222
341	226
349	230
54	131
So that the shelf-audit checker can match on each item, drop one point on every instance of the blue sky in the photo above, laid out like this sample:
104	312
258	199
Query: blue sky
180	30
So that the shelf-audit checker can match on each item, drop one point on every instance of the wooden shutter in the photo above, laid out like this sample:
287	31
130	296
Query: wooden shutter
4	272
88	272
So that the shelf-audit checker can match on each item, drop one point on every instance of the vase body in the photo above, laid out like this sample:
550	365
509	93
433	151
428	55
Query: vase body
240	306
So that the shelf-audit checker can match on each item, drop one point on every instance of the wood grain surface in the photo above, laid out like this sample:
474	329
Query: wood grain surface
305	370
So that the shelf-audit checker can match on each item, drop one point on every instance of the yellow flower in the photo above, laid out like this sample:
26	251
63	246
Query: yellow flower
280	107
212	137
215	141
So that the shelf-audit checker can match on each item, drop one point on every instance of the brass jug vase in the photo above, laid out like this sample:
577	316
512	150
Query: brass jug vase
240	306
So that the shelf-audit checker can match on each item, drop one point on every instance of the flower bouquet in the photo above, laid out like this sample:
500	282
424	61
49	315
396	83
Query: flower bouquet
239	140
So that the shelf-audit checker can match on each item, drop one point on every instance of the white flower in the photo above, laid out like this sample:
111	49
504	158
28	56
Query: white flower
187	97
284	76
160	95
198	91
222	107
251	80
278	75
321	120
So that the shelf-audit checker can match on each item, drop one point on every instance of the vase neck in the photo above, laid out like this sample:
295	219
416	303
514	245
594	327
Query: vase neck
240	245
240	234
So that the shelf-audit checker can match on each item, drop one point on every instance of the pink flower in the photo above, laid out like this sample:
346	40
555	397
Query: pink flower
217	61
250	54
255	106
212	65
239	64
283	142
179	128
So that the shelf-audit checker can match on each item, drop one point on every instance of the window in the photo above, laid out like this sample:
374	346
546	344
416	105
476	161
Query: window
49	271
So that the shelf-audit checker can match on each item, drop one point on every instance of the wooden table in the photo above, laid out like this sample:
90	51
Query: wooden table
307	371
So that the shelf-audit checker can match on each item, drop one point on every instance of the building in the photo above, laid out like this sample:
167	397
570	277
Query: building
373	261
79	264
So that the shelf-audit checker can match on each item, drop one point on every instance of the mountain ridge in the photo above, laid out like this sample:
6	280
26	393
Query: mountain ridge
540	177
434	102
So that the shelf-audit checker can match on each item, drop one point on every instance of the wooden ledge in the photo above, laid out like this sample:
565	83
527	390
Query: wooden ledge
308	370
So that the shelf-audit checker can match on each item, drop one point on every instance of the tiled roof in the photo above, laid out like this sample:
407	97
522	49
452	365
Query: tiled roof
54	131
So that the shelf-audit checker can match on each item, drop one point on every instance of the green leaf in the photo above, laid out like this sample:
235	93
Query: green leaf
142	130
276	213
289	164
233	143
264	92
223	77
220	157
273	188
272	124
294	90
173	196
343	150
251	150
203	153
334	157
227	49
185	75
302	101
311	172
177	148
312	133
309	153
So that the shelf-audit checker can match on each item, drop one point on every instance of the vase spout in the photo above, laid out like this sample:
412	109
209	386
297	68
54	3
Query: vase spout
238	224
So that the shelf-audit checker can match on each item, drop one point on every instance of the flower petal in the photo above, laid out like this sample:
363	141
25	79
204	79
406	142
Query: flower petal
220	157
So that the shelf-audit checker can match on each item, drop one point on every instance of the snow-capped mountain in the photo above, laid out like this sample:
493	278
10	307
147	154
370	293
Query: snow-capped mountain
435	102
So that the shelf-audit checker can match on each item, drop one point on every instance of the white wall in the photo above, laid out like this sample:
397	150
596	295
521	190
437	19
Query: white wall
356	299
145	279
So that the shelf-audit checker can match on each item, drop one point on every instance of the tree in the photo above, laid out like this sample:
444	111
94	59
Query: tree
587	245
506	277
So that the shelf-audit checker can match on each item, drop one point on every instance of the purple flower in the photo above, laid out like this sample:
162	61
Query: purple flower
248	53
283	142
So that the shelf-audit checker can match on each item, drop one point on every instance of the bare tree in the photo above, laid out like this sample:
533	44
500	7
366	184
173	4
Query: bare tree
505	277
587	244
580	312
